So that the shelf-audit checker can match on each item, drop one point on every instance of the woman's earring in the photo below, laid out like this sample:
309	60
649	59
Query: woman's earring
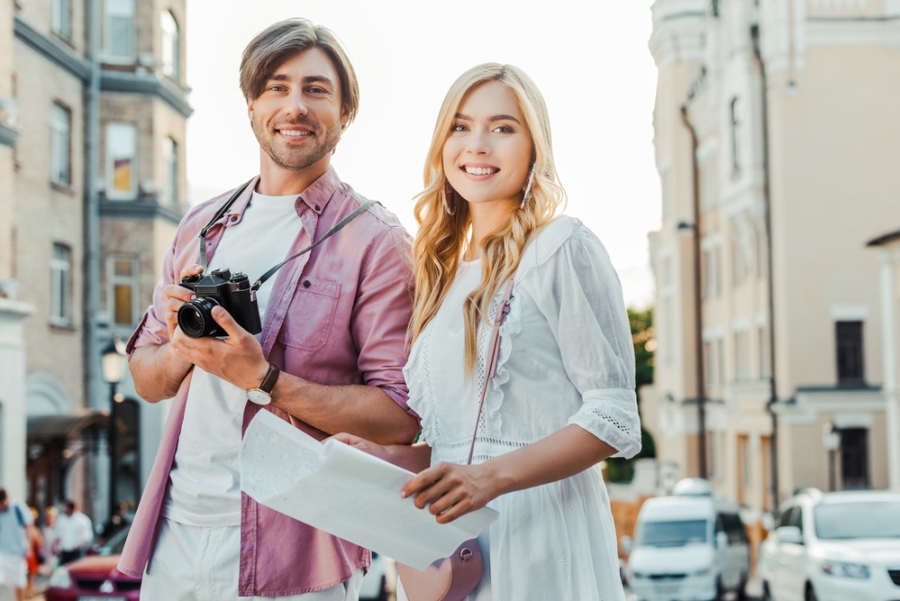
446	193
529	185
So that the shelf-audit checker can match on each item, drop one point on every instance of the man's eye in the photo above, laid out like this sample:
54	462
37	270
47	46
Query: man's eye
318	91
277	88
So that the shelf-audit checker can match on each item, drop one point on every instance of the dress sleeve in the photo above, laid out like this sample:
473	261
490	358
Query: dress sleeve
583	304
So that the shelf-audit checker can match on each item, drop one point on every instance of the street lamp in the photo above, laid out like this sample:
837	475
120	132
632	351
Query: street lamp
831	441
113	368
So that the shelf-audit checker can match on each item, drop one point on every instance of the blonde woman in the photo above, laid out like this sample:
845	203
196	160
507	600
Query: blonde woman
562	399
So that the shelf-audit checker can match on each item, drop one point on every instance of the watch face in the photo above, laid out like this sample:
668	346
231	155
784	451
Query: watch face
258	396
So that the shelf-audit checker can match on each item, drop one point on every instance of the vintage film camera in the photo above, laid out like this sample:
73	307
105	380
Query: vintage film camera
218	287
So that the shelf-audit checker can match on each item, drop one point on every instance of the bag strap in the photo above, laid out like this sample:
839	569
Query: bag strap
492	357
19	516
224	208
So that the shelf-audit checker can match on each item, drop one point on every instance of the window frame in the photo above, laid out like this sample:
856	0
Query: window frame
61	19
110	177
109	14
60	144
62	291
113	280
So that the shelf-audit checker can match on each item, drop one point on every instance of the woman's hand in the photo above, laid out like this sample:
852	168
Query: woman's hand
451	491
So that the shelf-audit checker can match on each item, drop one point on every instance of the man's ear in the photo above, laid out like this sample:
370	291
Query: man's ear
345	117
250	109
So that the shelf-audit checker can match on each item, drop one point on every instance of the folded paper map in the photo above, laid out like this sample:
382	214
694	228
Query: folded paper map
346	492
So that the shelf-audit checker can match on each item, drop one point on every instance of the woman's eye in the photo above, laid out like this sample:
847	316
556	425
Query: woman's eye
503	129
458	128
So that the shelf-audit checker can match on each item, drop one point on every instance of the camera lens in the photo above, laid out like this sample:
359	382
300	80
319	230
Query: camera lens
195	318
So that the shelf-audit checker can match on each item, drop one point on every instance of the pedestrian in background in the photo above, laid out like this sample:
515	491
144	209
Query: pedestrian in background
563	395
36	551
14	522
75	532
51	540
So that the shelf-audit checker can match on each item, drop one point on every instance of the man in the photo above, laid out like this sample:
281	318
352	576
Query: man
329	357
74	532
14	522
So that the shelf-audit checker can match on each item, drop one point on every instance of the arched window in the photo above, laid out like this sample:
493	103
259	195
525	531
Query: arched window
736	134
171	46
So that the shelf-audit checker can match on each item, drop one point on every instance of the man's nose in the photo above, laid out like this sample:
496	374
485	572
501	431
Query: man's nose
297	103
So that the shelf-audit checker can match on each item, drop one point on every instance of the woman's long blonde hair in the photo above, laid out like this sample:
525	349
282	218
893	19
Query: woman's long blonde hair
442	238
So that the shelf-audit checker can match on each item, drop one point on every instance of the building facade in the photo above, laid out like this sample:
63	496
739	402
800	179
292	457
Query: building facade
95	103
773	130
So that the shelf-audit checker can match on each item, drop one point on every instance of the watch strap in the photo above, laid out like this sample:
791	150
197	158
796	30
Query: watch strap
268	382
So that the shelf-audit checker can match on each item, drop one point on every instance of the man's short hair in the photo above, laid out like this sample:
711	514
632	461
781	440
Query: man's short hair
70	505
285	39
3	495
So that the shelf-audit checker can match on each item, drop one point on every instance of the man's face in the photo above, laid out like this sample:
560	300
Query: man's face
4	504
298	116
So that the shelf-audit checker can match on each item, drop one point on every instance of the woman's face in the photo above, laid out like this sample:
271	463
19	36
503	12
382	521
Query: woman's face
487	155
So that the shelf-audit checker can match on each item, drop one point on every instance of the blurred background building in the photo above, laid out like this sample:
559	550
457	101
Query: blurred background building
777	136
93	104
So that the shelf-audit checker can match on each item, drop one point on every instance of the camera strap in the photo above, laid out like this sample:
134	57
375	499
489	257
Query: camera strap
221	212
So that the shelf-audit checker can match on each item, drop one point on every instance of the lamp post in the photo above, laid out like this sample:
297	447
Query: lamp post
831	441
113	368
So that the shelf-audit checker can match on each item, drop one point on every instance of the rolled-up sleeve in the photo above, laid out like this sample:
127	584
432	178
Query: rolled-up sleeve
587	314
381	314
152	329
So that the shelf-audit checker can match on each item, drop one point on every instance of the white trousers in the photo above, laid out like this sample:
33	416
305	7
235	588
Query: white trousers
193	563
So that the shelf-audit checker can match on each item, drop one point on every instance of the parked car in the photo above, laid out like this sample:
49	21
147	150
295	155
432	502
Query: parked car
95	577
690	545
380	581
834	547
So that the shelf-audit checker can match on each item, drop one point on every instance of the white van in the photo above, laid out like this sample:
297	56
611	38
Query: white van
689	546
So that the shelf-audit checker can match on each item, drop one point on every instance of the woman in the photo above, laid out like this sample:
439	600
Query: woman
562	399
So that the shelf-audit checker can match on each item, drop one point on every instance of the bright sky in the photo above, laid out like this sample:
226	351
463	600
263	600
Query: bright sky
592	65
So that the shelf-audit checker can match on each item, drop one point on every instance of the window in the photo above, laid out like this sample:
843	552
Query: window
169	193
738	263
61	286
720	360
705	274
121	144
62	18
717	270
171	46
707	363
850	367
763	341
120	29
760	239
854	458
122	275
708	183
736	134
60	145
741	356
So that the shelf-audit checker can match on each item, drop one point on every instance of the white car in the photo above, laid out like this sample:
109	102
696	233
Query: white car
842	546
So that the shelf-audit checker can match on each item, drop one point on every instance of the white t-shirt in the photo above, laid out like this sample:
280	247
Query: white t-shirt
205	483
74	531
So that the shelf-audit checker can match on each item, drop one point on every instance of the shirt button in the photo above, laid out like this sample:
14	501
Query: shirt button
306	283
233	218
318	208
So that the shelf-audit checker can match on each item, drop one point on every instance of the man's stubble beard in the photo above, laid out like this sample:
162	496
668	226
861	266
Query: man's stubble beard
296	160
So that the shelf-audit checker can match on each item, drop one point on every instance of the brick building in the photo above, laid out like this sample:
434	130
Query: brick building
93	104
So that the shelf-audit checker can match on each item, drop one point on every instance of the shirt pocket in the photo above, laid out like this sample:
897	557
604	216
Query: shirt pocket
310	316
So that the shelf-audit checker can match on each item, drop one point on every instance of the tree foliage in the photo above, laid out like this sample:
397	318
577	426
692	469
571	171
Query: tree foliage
641	322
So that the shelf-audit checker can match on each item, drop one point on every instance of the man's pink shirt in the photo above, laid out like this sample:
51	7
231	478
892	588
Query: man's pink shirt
337	315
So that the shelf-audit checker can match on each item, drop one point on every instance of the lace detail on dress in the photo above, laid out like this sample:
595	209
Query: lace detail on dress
623	428
486	448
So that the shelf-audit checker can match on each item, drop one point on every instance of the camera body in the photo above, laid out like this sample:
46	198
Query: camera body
218	287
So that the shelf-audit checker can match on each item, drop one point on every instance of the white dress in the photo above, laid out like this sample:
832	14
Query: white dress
566	357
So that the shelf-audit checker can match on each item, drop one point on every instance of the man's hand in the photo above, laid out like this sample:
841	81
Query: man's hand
176	296
237	359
